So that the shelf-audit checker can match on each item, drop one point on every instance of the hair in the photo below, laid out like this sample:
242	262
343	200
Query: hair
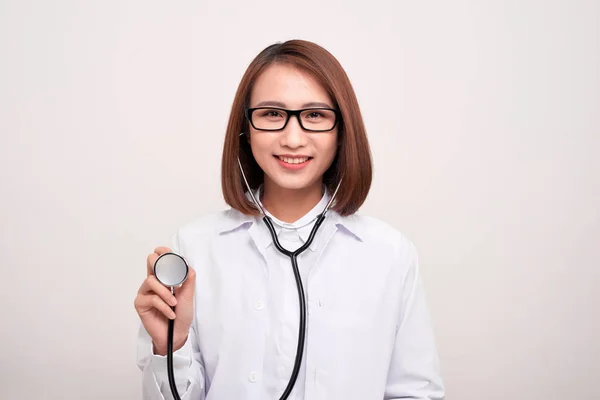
353	159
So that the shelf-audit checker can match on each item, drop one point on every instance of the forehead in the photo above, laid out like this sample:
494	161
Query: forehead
288	85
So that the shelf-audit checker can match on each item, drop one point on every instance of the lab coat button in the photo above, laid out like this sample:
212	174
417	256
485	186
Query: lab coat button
253	377
259	305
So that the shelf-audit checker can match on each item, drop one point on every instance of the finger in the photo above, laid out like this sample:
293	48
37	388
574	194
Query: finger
145	303
151	285
160	250
150	261
154	301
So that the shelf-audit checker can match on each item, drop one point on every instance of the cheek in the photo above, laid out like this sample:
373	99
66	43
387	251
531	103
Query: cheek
260	147
329	147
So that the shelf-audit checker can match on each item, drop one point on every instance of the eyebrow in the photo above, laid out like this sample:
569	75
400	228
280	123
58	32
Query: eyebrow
279	104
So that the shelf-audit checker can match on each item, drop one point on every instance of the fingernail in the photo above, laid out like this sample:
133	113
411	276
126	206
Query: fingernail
173	301
172	316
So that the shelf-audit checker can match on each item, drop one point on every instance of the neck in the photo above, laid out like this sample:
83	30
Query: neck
289	205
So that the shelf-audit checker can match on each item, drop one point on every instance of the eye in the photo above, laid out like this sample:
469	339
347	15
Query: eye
271	114
314	115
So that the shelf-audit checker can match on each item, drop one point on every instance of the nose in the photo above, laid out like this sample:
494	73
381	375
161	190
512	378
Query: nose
293	135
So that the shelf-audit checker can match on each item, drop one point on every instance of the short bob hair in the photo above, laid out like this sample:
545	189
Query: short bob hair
353	158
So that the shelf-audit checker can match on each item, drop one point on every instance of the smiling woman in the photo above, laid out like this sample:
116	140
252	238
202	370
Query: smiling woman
291	157
296	76
348	319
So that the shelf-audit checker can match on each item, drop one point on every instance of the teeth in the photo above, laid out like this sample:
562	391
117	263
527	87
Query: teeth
293	160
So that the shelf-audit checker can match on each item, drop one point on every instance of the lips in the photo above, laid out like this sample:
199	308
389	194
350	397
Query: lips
294	160
293	163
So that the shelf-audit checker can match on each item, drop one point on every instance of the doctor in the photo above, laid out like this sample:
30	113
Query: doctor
368	334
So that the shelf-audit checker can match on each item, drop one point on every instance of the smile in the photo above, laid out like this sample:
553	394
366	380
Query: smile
293	163
293	160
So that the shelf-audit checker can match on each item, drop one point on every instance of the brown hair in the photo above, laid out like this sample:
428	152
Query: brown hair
353	158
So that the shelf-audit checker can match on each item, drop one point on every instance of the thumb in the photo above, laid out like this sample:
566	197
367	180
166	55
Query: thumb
186	290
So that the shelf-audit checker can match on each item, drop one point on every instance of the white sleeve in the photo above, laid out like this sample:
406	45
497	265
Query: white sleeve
188	367
414	371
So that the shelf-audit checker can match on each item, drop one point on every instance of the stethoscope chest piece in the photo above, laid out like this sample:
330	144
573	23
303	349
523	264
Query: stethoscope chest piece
171	269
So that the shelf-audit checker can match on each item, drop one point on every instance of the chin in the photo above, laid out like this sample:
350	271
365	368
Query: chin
293	182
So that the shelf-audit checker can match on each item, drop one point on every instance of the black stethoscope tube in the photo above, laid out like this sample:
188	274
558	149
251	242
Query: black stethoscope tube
301	298
170	358
301	301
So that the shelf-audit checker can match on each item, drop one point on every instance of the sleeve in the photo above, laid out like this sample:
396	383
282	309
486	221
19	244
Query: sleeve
414	371
188	367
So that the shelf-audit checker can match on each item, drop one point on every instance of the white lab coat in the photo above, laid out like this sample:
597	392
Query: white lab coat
369	334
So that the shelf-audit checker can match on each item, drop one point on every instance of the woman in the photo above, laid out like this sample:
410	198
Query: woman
237	328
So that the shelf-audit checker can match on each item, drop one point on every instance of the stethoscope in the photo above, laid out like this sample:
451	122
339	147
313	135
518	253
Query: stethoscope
171	270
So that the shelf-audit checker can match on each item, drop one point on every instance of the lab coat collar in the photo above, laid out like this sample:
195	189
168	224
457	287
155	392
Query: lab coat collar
303	226
235	220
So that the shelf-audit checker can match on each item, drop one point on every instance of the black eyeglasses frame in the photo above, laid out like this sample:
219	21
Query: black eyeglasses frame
248	114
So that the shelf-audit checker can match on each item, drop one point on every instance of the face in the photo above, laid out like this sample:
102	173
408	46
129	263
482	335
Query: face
291	158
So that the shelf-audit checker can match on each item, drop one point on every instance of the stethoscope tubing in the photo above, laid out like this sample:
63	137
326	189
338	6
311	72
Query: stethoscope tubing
301	296
170	372
293	256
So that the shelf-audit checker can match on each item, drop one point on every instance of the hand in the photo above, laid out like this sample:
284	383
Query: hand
153	302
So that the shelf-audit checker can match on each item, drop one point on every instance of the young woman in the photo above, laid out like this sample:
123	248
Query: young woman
297	131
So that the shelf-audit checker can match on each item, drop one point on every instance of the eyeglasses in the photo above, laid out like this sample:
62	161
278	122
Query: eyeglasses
276	119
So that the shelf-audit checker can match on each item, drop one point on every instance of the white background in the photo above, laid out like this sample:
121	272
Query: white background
484	123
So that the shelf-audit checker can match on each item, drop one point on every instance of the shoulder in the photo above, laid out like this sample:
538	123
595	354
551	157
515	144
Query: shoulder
210	224
375	232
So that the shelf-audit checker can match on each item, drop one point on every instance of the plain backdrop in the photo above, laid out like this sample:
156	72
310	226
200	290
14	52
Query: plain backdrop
484	123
